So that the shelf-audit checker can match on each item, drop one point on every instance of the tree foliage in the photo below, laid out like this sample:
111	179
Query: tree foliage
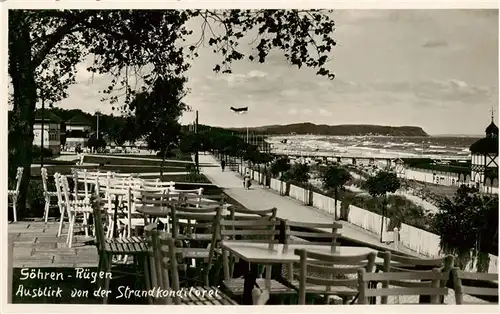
139	48
335	177
280	165
468	226
298	173
382	183
157	113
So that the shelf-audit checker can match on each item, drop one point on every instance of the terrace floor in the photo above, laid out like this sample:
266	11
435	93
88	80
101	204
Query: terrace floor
36	245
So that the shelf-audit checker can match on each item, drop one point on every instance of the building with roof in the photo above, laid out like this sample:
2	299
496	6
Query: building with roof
78	131
51	131
484	158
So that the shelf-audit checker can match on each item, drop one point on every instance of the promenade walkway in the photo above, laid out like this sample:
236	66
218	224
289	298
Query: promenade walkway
262	198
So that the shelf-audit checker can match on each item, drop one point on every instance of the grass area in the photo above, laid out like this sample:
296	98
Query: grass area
185	157
51	161
122	161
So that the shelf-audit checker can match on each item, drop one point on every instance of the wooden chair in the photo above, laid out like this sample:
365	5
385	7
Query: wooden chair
461	289
398	263
109	248
167	254
429	284
198	229
48	195
13	194
261	230
331	275
74	208
60	202
294	236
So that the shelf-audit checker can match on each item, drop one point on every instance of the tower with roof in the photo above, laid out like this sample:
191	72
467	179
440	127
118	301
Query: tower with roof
484	157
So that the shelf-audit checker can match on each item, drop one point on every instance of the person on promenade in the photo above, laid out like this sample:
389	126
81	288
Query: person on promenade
246	180
223	165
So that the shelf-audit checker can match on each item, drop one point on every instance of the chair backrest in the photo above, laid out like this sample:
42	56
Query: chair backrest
151	197
170	258
428	284
262	229
156	183
461	289
241	213
398	263
118	175
291	235
43	172
70	204
59	190
98	221
196	221
200	200
198	191
329	270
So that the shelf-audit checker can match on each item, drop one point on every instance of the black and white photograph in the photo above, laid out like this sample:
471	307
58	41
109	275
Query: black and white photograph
251	155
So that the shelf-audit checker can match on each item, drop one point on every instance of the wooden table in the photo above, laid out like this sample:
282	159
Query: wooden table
259	253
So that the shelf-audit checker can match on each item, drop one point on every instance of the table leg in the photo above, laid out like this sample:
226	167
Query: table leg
249	284
115	214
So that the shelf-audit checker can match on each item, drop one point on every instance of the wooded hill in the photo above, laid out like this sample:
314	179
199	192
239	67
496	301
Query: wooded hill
343	129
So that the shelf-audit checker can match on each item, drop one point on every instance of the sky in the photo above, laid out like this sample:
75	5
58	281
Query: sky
437	69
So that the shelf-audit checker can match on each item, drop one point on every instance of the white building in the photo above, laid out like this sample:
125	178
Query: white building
51	131
78	131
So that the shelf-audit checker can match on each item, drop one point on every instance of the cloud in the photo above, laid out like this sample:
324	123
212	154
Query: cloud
435	43
380	77
324	112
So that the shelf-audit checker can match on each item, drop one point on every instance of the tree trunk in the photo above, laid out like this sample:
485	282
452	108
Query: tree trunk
382	221
21	70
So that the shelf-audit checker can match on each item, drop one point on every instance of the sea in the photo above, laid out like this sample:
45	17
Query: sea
437	147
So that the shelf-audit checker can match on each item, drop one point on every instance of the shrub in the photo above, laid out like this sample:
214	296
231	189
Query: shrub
39	151
35	199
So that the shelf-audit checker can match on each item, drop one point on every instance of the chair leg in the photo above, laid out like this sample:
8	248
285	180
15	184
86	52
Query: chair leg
86	224
14	207
72	227
46	212
61	222
107	280
100	266
147	277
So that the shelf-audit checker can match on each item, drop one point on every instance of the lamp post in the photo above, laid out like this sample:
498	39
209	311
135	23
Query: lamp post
97	114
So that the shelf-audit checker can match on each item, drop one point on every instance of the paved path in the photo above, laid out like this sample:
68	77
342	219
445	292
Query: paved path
262	198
